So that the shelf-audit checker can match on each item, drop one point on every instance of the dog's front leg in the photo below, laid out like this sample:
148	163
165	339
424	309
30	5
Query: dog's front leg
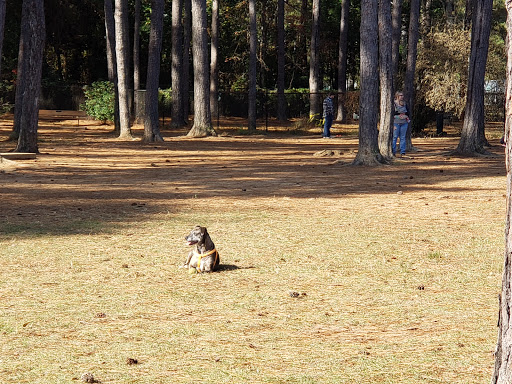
187	263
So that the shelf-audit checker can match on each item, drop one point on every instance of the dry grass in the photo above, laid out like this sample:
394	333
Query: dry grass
397	268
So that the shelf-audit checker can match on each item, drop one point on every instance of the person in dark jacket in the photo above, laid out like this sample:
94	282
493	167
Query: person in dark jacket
328	115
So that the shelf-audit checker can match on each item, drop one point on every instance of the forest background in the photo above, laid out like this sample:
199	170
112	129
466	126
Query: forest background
75	54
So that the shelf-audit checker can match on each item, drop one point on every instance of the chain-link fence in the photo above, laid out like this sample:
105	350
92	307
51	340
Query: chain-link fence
235	104
297	104
494	106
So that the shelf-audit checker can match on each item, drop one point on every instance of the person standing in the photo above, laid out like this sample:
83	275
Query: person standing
328	115
400	123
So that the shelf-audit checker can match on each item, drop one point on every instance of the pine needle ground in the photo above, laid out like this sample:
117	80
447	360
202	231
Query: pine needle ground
330	273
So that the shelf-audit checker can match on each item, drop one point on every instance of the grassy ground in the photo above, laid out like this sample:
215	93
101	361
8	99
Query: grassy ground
330	273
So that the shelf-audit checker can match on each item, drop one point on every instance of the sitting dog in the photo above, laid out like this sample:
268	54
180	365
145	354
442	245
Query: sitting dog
204	257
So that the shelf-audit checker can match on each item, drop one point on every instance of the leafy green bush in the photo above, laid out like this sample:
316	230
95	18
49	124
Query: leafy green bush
7	94
100	101
165	98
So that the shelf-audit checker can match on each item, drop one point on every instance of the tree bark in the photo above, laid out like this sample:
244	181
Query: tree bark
136	52
410	72
253	46
314	65
396	19
262	42
121	27
281	100
426	17
368	151
468	13
449	11
202	117
386	79
2	26
187	38
302	41
503	353
29	74
214	65
342	61
151	121
178	95
472	138
110	39
111	58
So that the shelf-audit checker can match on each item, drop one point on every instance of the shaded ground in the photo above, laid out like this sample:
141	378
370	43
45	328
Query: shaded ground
80	165
397	267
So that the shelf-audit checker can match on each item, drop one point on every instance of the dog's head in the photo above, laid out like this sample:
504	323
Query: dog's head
197	236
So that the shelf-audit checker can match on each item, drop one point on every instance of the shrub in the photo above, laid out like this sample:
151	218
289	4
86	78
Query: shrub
442	69
100	101
165	98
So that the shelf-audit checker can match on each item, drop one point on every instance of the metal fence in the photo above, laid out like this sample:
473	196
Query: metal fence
235	104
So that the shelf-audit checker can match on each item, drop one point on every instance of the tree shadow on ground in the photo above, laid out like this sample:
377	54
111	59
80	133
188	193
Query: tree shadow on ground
86	182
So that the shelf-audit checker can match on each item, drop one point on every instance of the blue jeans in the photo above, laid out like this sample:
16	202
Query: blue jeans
399	131
327	125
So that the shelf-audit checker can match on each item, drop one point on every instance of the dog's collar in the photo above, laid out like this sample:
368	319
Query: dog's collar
201	255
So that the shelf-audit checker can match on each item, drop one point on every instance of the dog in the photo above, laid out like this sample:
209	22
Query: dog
204	257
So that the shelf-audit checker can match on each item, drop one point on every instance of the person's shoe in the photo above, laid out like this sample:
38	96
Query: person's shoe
327	137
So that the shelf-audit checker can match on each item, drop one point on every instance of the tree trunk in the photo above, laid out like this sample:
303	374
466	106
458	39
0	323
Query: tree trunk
368	151
302	41
426	17
29	74
110	40
281	99
136	53
202	117
342	61
449	11
314	64
18	99
503	353
121	27
214	65
410	72
396	19
386	79
187	38
178	96
468	13
253	43
111	59
472	138
2	26
151	121
261	43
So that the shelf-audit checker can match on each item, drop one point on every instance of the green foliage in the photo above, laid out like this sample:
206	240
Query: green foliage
240	84
5	106
165	98
7	89
100	101
496	61
297	101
